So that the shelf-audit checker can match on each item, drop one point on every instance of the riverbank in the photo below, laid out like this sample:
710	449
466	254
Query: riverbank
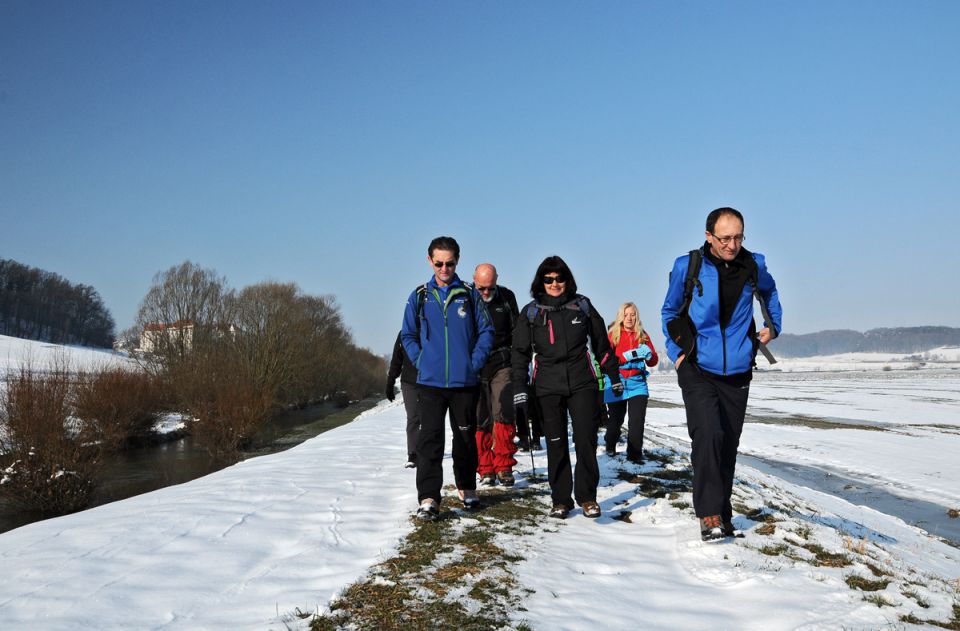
179	459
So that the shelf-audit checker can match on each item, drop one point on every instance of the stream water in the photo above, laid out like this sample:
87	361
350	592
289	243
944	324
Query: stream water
135	471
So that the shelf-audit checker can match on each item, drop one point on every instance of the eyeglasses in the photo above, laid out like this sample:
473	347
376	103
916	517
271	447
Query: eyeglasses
739	238
484	290
549	280
439	264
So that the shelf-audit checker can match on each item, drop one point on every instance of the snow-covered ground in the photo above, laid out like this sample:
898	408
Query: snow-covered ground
913	419
244	547
16	352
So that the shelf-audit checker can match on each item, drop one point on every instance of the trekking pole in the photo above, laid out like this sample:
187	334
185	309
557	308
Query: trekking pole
533	466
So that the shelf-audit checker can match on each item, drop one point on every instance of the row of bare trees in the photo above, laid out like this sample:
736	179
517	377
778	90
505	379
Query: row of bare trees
231	360
40	305
249	353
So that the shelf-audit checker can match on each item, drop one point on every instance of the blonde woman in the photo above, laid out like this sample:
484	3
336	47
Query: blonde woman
636	353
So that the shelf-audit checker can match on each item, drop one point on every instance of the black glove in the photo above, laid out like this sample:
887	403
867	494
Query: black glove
617	388
391	389
520	403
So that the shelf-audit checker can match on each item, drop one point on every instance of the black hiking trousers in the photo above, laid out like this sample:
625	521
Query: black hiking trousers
616	411
584	409
716	406
411	403
434	405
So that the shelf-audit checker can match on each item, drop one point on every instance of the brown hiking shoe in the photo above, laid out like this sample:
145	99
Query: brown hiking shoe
711	528
505	477
591	509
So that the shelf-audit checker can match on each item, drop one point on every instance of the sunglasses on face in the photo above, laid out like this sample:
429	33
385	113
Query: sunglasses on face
485	289
439	264
549	280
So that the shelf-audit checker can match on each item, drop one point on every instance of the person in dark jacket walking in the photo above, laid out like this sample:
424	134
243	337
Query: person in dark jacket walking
402	367
495	412
635	353
447	333
714	342
557	332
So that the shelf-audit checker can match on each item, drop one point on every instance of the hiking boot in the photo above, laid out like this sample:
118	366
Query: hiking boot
635	459
611	451
523	445
488	479
711	528
729	530
428	510
469	498
559	511
590	509
505	477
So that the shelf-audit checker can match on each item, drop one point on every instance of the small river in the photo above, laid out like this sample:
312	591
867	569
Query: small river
135	471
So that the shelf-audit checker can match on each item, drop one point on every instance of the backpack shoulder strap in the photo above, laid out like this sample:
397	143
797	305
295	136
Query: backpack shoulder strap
692	279
754	281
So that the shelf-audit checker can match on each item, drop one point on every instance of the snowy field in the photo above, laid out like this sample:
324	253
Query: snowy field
245	547
16	352
912	419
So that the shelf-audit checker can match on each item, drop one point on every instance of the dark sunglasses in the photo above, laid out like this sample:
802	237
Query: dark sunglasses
549	280
486	289
439	264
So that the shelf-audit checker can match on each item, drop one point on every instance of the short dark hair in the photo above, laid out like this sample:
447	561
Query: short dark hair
552	265
444	243
720	212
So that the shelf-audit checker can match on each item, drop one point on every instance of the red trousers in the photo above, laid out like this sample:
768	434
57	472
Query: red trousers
495	449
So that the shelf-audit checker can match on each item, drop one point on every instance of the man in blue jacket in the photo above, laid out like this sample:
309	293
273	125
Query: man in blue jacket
712	339
447	333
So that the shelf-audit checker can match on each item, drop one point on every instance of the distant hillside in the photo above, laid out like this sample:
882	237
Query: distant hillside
39	305
912	339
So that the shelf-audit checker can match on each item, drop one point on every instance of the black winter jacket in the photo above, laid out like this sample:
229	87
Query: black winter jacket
559	336
504	313
401	366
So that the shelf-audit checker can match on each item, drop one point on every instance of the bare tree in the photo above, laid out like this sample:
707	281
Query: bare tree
183	310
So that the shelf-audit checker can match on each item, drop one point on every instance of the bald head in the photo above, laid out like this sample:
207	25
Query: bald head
485	281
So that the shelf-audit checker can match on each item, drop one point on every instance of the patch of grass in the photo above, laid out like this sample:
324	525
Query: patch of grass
654	403
953	623
876	570
765	529
953	513
877	599
859	546
672	474
917	598
680	505
804	531
762	514
855	581
825	558
409	590
775	549
811	422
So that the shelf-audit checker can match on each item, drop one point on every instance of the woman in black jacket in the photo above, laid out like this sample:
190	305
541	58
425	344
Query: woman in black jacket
557	332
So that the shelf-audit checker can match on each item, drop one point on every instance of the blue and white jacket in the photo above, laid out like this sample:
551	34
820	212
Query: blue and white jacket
447	334
728	351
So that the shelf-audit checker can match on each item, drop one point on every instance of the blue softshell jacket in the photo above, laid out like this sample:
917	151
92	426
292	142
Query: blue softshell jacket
728	351
451	337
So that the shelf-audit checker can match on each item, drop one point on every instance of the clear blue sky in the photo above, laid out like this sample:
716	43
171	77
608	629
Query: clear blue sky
326	143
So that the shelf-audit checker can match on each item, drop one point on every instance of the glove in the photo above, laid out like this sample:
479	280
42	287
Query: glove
391	390
520	403
617	388
641	352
